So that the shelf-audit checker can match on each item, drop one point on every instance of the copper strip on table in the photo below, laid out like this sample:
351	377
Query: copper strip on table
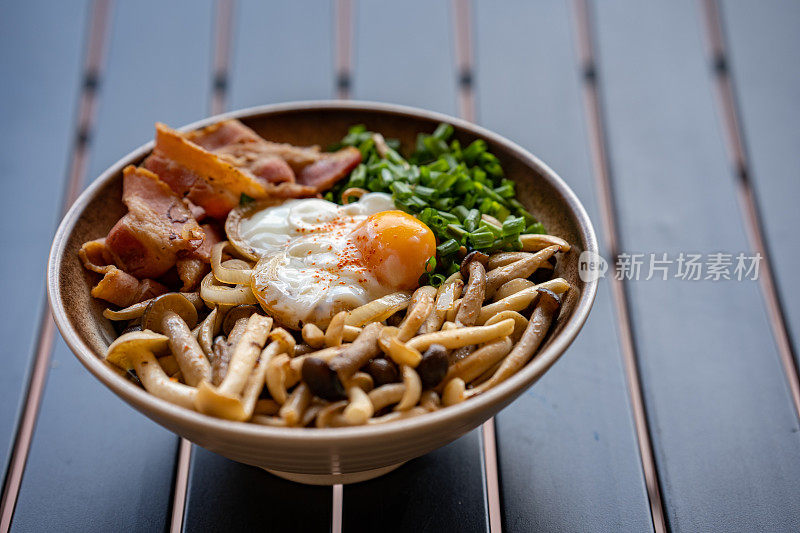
338	504
222	48
735	141
343	43
463	35
93	62
344	54
181	484
462	21
223	22
603	178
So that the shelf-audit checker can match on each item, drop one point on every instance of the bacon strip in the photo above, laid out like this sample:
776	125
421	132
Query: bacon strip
116	287
158	227
330	168
195	266
212	167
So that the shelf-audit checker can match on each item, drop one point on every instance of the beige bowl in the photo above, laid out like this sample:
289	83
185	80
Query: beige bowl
336	455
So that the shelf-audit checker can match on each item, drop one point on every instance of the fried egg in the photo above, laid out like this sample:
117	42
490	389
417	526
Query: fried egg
318	258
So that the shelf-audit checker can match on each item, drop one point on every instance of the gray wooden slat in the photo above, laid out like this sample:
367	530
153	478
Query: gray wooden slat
281	52
95	464
439	491
567	450
229	496
40	62
405	55
763	40
724	429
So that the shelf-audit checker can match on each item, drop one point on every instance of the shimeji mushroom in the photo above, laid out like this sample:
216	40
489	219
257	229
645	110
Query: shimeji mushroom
543	316
175	316
233	326
137	350
521	269
225	401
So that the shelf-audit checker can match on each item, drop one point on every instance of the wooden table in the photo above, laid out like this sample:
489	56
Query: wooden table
676	123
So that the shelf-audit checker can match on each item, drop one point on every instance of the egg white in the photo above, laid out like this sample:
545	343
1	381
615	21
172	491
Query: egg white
309	268
272	228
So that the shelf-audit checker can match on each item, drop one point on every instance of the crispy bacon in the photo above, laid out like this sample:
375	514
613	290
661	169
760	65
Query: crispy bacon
116	286
158	227
320	170
231	136
329	168
192	268
212	167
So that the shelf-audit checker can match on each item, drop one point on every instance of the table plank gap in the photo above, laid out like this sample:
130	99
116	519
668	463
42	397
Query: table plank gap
344	47
153	71
729	107
27	406
619	290
444	490
223	20
464	64
567	451
722	422
294	65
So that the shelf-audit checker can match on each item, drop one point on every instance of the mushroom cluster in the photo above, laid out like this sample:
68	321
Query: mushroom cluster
396	357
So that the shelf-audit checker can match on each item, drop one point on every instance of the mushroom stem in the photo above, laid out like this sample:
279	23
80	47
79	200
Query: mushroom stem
474	292
412	389
422	302
518	269
446	298
228	403
256	381
245	354
458	337
388	394
296	404
191	359
137	350
356	355
522	299
476	363
224	351
157	383
541	319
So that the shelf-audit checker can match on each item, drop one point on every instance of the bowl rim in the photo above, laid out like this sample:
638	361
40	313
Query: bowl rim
148	403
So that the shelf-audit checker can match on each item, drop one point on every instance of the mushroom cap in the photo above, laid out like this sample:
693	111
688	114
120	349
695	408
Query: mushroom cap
127	346
548	298
474	255
172	301
235	313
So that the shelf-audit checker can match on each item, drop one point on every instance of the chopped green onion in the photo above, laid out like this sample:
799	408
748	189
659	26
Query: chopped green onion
513	226
472	220
448	187
448	247
461	212
481	240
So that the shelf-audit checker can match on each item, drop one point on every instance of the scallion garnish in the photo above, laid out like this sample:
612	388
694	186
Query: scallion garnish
446	186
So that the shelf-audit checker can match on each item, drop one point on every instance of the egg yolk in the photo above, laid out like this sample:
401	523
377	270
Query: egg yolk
395	247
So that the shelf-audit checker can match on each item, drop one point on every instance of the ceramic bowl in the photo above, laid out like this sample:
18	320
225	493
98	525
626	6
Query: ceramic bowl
335	455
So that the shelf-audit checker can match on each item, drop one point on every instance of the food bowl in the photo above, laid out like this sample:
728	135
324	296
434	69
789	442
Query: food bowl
330	455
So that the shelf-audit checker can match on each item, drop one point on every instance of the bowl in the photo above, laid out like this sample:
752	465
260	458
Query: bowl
331	455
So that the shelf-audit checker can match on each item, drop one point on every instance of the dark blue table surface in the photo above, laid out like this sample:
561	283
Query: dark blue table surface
676	123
